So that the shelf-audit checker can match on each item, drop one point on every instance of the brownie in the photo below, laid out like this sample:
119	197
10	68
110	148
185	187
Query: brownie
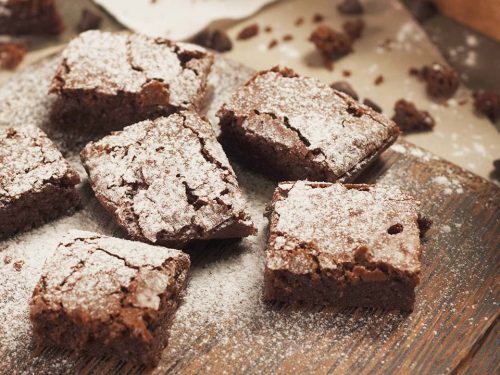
168	182
105	295
19	17
346	245
487	102
12	53
441	81
410	119
330	43
291	127
109	80
36	183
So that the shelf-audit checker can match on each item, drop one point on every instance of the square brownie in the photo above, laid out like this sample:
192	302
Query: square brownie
167	181
348	245
106	295
109	80
18	17
36	183
294	128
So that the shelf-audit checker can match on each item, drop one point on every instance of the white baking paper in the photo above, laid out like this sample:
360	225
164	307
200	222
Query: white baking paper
177	19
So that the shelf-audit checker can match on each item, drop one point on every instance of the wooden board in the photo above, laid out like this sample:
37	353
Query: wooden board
224	327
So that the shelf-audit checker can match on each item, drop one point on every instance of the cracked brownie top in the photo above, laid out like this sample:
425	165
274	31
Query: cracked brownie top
29	161
322	226
117	63
134	280
309	119
167	181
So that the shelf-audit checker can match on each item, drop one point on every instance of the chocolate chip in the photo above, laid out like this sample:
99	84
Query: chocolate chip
346	88
372	105
395	229
89	20
410	119
217	40
350	7
487	103
248	32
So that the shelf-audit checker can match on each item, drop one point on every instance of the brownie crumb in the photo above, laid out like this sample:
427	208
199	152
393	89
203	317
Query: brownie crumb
11	54
268	29
410	119
424	224
317	18
487	103
7	259
441	81
346	73
299	21
346	88
218	40
330	43
379	80
89	20
462	101
423	10
372	105
248	32
273	43
354	28
18	265
350	7
287	37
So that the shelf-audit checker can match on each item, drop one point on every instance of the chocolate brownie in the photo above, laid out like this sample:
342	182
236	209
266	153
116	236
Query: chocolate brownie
330	43
410	119
12	52
106	295
441	81
293	128
29	17
168	182
348	245
36	183
109	80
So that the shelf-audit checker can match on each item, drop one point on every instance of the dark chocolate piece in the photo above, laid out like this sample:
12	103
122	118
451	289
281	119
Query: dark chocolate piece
410	119
36	183
343	245
218	40
89	20
129	313
109	80
248	32
370	103
346	88
37	17
168	182
487	102
292	127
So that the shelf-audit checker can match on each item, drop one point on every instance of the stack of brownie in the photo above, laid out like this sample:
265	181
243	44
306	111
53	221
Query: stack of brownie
164	178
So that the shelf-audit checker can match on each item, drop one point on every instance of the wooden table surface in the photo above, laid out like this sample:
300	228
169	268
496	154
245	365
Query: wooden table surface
224	327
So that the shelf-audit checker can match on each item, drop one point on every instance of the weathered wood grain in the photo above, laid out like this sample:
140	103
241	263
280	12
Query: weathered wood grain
224	327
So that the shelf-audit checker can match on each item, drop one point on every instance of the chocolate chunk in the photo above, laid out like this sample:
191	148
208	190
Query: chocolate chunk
89	21
345	87
350	7
218	40
12	53
410	119
248	32
487	102
354	28
372	105
441	81
330	43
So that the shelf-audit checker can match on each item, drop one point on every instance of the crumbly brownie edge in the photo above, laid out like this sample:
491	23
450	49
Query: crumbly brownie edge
345	287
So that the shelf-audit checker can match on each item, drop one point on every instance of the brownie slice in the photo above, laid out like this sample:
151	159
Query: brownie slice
348	245
36	183
106	295
167	181
292	127
109	80
19	17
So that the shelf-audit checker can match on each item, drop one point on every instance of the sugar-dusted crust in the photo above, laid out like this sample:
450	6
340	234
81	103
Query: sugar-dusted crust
167	181
108	295
115	79
29	17
293	127
355	245
36	183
